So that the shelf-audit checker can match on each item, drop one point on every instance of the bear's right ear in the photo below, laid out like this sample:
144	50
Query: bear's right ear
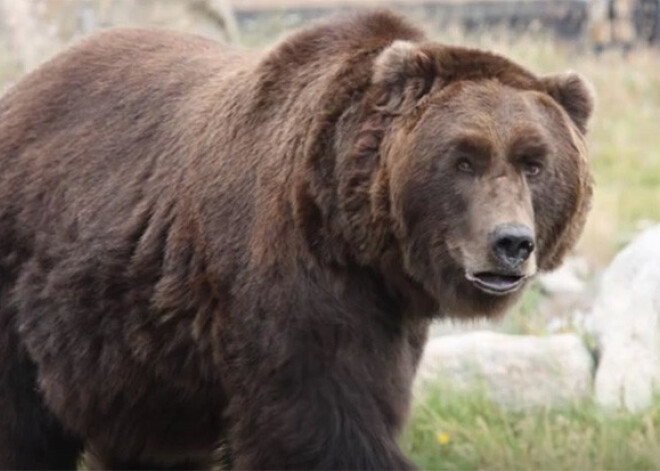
405	72
574	94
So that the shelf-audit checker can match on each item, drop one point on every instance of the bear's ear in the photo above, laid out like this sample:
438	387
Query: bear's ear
404	71
574	94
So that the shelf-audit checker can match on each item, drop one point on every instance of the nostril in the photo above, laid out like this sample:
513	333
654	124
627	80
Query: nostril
525	248
527	245
512	244
511	247
507	245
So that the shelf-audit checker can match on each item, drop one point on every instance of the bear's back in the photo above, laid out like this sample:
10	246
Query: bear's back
102	128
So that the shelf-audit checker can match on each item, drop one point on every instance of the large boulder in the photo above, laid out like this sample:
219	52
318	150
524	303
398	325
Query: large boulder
626	325
515	371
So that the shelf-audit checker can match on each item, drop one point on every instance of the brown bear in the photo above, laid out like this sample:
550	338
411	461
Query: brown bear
201	245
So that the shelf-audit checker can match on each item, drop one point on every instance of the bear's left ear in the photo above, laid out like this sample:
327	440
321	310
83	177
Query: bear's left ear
405	72
574	94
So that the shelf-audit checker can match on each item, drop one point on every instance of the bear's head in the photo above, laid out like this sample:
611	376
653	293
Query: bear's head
473	171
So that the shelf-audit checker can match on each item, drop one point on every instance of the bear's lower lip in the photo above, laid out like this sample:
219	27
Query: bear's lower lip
496	283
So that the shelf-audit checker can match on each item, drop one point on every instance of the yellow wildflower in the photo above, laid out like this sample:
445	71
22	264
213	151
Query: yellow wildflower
443	438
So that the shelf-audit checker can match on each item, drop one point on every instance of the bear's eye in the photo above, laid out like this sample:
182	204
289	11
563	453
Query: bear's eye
532	168
465	166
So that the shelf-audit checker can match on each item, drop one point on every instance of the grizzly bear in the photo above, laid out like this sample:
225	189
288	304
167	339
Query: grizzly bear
204	246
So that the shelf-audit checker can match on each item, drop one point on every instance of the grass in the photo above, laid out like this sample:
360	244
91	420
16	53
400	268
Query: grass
452	431
9	67
522	319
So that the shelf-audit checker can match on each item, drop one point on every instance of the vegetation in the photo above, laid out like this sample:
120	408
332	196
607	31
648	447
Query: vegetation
450	430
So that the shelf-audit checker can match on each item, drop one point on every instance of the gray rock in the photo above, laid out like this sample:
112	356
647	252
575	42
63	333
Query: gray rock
567	279
515	371
626	324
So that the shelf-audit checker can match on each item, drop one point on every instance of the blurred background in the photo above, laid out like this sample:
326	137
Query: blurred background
568	378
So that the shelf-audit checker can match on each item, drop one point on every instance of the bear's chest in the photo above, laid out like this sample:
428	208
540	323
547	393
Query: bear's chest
162	422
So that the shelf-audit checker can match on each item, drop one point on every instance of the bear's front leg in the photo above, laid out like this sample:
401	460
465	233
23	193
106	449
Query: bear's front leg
320	424
314	403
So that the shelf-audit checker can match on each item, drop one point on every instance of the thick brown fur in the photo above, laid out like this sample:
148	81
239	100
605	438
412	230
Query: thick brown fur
202	245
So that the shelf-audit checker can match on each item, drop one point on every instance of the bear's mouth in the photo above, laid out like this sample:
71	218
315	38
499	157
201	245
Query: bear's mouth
496	283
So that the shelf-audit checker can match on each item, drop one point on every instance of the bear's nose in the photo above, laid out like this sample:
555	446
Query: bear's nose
512	244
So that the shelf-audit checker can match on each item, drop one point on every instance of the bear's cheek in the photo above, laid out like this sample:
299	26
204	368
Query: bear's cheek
434	218
553	200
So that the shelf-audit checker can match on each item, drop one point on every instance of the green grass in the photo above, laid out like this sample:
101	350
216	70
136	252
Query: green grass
523	318
483	435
